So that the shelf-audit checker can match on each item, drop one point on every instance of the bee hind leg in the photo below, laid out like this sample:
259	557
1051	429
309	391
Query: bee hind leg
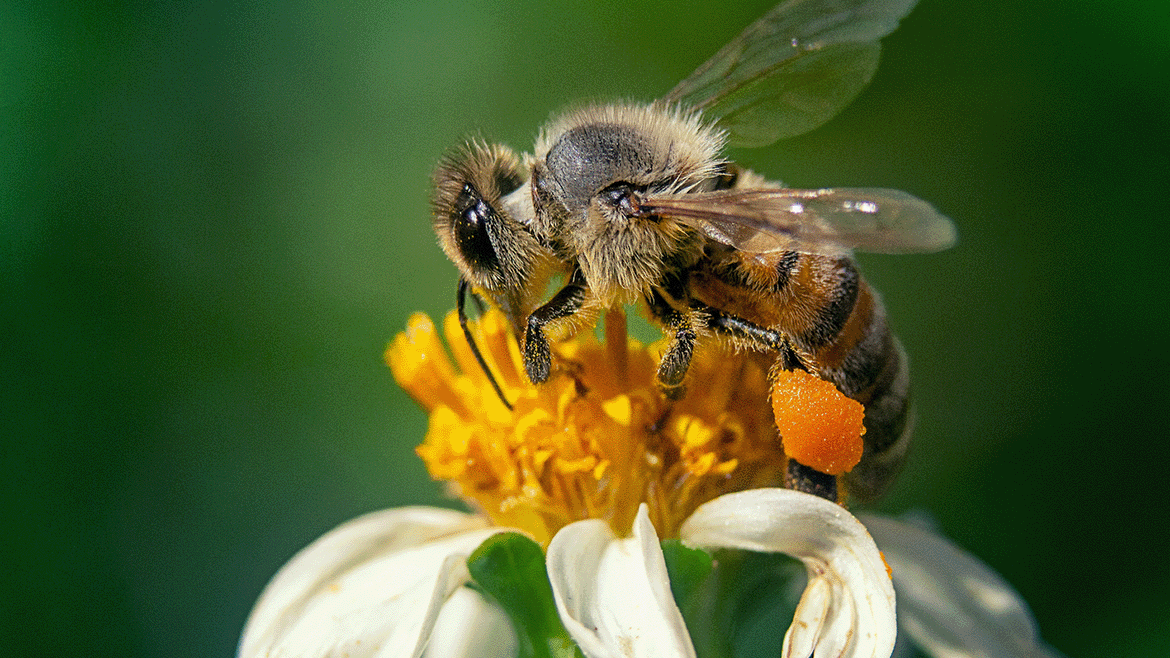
737	327
797	476
811	481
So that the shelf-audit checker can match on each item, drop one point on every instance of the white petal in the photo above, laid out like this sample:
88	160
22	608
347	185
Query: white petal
613	594
834	546
810	615
371	587
951	604
491	636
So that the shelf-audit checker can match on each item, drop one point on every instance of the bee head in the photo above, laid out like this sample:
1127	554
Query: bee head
475	219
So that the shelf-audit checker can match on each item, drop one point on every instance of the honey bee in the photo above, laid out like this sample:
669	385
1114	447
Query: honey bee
635	203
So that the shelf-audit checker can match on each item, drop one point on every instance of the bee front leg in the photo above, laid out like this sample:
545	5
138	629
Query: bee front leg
537	355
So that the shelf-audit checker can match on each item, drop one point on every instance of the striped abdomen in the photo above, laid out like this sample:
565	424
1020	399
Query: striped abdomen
820	315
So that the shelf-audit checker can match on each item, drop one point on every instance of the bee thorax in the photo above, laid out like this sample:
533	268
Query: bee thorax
625	262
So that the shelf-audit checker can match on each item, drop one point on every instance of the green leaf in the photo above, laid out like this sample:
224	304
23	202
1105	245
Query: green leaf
736	604
688	569
691	577
761	591
510	568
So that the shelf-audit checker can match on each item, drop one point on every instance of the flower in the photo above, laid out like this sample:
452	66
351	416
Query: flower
597	466
597	439
390	583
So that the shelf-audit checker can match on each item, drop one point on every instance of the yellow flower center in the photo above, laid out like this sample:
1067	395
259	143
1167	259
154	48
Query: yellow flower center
594	441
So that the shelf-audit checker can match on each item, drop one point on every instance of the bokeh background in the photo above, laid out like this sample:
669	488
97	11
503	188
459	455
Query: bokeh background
215	216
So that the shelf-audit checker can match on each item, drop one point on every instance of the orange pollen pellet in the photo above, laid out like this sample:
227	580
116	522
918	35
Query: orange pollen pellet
820	427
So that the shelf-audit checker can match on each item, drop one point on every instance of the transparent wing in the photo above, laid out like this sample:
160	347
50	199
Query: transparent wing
830	221
791	70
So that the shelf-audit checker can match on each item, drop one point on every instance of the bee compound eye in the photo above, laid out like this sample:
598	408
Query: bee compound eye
470	218
623	197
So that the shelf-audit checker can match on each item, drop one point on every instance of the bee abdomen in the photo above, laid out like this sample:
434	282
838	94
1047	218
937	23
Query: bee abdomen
837	309
874	372
889	425
825	318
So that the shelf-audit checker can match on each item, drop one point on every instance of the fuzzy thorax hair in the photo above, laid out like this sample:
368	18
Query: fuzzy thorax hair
582	155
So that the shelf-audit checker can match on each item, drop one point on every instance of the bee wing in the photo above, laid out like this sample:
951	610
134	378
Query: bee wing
829	221
791	70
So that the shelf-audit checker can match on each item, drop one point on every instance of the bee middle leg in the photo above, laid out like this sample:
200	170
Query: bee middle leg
676	360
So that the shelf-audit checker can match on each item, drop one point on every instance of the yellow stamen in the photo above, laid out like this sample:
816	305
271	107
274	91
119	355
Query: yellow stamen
594	441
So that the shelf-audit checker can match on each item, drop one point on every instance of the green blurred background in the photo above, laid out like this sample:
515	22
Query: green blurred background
214	217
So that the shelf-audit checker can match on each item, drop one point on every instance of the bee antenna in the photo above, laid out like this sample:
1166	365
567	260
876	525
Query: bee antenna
460	297
479	307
